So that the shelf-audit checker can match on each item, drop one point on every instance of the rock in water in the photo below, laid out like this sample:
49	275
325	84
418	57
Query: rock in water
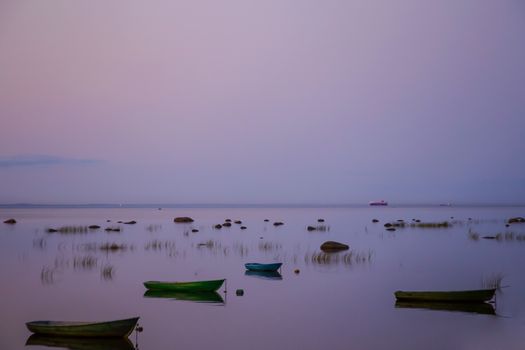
332	246
511	220
10	221
183	219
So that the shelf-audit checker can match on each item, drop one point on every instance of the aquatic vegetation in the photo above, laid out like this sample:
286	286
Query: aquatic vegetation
419	224
105	247
84	262
47	275
69	229
349	258
39	243
160	245
208	244
508	236
269	246
493	281
153	228
473	235
320	228
107	272
113	247
240	249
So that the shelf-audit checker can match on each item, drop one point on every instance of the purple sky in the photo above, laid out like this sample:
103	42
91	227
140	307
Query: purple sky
262	101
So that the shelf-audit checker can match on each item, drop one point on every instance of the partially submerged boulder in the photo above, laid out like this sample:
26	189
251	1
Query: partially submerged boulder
278	223
183	219
93	227
332	246
515	220
10	221
132	222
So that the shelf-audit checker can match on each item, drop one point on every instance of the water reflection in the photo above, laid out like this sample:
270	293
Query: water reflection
476	308
81	343
267	275
197	297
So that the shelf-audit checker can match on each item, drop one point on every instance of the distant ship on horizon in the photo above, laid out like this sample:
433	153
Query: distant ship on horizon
378	203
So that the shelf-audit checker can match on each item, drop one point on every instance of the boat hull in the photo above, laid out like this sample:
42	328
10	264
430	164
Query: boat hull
197	286
463	296
476	308
197	297
263	267
119	328
80	343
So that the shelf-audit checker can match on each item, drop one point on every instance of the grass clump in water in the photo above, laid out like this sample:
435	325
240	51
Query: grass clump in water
348	258
493	281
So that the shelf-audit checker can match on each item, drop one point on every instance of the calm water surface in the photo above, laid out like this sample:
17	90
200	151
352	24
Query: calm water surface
346	302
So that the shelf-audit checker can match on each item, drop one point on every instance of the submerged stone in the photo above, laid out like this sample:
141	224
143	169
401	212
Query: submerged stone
10	221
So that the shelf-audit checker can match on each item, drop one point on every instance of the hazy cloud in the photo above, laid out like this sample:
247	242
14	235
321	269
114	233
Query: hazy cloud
40	159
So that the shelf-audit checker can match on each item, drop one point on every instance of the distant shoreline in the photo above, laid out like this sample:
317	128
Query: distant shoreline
215	205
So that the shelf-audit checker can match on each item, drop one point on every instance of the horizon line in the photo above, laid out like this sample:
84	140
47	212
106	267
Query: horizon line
252	205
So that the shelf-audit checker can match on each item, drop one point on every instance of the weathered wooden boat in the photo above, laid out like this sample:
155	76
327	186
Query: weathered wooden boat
267	275
119	328
196	286
465	296
263	267
80	343
197	297
476	308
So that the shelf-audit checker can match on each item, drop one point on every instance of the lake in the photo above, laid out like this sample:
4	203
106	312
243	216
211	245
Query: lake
338	301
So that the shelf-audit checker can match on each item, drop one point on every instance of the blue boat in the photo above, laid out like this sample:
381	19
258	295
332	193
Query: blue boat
263	267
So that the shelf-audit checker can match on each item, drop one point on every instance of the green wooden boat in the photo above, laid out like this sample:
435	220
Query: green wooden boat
80	343
119	328
475	308
196	286
463	296
197	297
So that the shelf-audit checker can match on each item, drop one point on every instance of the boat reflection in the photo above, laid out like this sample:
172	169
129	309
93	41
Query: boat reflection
267	275
476	308
197	297
79	343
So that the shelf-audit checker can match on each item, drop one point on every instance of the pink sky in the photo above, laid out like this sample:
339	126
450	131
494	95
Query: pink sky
263	101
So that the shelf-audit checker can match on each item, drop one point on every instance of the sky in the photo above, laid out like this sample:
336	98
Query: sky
275	101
